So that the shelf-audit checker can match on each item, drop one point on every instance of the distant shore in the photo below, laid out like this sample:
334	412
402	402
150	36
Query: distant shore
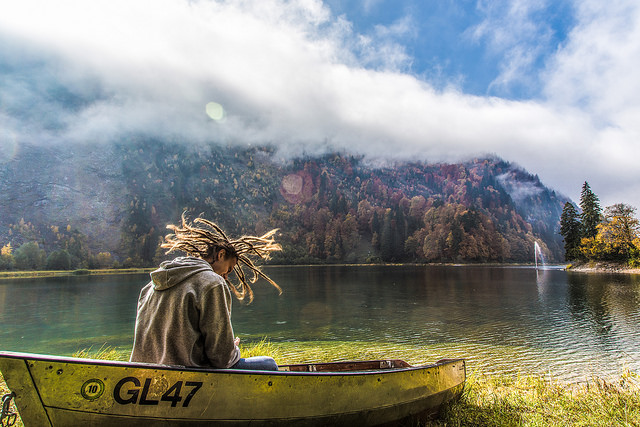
65	273
587	267
602	267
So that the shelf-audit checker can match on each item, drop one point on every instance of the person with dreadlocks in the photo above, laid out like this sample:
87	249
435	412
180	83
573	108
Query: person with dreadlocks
184	312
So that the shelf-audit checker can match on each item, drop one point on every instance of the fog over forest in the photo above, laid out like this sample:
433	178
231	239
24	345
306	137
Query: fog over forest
108	205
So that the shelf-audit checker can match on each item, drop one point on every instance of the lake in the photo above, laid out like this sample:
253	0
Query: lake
502	319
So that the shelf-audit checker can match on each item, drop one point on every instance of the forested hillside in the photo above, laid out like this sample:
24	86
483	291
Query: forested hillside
103	206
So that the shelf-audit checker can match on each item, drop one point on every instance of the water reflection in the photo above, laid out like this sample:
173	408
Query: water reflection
607	307
64	314
503	319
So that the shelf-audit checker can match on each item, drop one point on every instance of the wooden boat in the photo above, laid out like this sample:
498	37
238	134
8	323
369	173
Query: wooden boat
65	391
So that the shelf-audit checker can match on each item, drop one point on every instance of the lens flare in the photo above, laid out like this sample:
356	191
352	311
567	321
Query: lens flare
292	184
297	187
215	111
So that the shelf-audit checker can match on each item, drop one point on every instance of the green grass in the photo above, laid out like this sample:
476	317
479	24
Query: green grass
4	390
496	399
62	273
537	400
103	353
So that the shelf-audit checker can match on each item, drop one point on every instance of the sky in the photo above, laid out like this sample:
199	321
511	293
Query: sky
551	85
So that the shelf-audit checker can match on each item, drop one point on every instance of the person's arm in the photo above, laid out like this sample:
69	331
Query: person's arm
215	325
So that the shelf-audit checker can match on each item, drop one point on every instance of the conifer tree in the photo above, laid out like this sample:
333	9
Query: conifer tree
570	231
399	234
591	212
375	231
386	237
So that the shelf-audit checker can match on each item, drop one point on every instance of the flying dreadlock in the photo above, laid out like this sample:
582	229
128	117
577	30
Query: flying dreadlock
208	240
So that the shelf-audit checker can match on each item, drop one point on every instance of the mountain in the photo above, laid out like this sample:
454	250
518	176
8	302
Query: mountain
109	204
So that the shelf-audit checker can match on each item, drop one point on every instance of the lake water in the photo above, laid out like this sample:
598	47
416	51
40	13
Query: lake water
502	319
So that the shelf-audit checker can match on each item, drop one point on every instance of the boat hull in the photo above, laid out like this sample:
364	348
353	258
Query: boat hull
60	391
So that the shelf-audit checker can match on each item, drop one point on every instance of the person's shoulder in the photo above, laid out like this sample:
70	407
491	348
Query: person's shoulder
210	278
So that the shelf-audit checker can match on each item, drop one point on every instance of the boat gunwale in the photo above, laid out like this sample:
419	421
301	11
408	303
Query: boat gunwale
141	365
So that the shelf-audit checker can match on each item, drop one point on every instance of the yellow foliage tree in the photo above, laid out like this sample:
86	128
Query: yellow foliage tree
617	235
104	259
6	249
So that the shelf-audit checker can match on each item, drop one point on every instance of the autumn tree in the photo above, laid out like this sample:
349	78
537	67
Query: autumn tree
436	221
618	231
417	209
365	215
411	247
105	260
333	242
456	233
570	231
7	261
349	233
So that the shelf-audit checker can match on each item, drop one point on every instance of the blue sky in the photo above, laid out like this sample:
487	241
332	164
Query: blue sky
463	42
549	85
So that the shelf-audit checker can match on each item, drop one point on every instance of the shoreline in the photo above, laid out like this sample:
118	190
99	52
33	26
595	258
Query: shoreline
489	398
602	267
70	273
585	267
38	274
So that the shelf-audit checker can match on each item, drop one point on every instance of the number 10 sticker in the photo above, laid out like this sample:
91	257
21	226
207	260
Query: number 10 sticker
92	389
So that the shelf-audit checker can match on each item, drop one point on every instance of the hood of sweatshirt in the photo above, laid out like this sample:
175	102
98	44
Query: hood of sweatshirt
177	270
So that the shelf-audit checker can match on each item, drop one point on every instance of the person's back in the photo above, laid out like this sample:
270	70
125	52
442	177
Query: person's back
184	313
184	317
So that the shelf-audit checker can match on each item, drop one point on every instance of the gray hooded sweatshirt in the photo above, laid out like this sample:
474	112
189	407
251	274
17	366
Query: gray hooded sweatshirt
184	317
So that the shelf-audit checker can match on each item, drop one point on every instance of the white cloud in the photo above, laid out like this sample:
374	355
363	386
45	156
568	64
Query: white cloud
596	71
291	74
369	5
517	36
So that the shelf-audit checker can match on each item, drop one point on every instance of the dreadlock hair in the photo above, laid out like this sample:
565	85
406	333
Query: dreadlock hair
208	240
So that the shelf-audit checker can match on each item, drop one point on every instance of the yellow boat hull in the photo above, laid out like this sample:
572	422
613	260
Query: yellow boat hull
62	391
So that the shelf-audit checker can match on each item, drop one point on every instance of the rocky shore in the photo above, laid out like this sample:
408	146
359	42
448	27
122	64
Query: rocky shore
603	267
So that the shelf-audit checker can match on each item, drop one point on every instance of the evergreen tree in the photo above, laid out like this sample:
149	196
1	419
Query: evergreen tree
375	223
591	212
58	260
570	231
30	257
386	237
375	231
399	234
7	262
322	187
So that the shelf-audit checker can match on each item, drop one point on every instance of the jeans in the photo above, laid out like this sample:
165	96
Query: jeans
256	363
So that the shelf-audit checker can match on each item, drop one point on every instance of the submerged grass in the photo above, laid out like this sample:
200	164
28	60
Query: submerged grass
489	399
537	400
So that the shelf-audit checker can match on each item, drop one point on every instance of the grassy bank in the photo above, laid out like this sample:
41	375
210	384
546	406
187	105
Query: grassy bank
497	400
507	399
488	399
59	273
